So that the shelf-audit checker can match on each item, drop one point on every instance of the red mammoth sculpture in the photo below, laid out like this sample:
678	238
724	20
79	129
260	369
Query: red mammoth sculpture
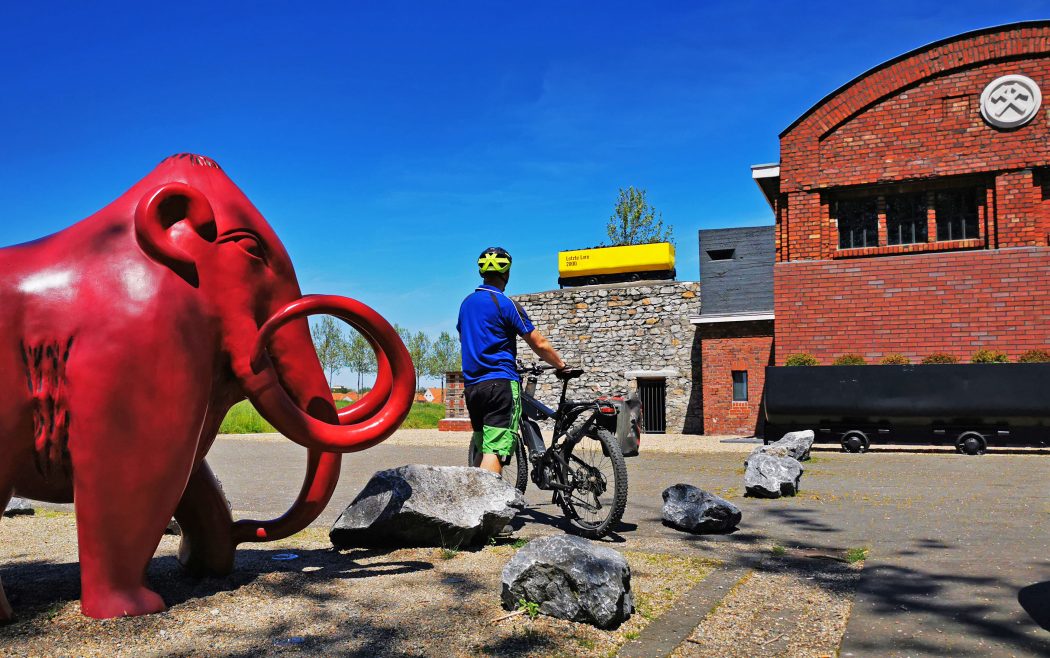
178	286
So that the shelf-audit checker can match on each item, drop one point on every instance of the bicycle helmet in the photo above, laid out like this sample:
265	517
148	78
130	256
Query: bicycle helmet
494	259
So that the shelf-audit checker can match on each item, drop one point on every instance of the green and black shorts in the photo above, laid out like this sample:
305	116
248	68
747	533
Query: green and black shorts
494	406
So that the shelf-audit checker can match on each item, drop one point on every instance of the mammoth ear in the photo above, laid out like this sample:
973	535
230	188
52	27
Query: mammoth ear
164	207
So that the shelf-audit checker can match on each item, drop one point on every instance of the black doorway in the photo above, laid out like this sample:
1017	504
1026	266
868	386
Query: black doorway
653	393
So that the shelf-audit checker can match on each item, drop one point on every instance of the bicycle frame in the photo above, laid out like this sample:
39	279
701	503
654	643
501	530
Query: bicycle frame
567	414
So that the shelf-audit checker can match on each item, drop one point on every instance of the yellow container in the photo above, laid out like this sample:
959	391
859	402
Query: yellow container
655	257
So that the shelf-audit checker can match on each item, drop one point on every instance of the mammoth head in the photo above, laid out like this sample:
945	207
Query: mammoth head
193	220
189	199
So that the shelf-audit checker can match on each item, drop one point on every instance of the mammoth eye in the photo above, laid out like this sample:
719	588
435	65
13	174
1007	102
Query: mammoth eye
250	245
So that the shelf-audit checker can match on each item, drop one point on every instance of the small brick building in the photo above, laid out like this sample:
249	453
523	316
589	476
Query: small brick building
913	205
734	328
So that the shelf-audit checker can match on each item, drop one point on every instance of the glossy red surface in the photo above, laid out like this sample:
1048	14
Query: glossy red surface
124	341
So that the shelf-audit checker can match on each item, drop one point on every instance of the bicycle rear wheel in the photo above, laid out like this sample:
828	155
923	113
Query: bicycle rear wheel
516	471
598	477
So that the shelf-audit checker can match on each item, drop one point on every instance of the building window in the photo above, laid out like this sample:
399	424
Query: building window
906	218
721	254
858	221
739	386
906	214
957	214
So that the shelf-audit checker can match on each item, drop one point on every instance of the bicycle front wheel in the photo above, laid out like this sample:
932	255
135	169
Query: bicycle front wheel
516	471
597	476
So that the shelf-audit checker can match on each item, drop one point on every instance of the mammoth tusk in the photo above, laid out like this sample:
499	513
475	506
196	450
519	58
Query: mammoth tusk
363	428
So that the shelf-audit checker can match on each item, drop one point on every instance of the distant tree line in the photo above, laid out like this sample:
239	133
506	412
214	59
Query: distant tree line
338	349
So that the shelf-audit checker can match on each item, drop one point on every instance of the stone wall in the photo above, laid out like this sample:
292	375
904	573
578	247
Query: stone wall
618	333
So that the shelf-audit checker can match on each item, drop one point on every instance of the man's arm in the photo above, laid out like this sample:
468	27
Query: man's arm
543	349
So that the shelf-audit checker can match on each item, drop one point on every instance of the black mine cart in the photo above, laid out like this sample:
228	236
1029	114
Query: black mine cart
971	406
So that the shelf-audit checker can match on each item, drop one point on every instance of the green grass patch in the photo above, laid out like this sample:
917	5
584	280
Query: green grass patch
854	555
531	608
778	550
244	419
424	416
449	553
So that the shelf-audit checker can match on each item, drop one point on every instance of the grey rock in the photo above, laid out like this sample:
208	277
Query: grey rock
793	444
19	507
769	476
570	578
694	510
419	505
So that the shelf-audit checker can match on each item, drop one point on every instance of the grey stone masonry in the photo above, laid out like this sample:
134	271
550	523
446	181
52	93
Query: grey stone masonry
618	333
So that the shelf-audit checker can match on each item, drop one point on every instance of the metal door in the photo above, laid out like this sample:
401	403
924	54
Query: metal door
653	393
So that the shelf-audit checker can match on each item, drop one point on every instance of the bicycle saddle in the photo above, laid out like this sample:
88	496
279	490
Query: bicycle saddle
568	374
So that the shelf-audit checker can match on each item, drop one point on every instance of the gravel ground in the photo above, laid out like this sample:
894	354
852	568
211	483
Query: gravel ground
357	602
790	605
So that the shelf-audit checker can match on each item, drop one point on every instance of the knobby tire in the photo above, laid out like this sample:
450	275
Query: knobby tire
609	449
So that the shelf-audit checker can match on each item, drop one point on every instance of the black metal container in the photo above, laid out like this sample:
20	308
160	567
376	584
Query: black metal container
998	402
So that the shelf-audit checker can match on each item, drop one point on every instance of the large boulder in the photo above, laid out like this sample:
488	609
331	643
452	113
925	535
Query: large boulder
570	578
768	476
694	510
19	507
793	444
418	505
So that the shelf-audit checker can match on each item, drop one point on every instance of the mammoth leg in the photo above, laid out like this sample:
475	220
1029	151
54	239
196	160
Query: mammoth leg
207	546
127	483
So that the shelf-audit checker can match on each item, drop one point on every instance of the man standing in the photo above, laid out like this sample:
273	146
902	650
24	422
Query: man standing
489	324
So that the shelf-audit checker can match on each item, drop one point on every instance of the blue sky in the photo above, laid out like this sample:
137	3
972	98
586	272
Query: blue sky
388	143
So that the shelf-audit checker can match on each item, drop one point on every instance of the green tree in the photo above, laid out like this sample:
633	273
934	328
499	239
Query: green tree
444	357
636	222
330	344
419	347
360	358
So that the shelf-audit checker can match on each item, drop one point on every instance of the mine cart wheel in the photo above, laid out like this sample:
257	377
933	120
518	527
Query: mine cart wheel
971	443
855	441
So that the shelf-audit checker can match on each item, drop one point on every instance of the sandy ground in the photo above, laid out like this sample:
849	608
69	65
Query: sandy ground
412	602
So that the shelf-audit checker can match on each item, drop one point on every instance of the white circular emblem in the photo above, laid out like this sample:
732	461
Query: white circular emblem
1010	101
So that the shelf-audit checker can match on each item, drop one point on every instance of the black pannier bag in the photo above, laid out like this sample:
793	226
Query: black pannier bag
625	421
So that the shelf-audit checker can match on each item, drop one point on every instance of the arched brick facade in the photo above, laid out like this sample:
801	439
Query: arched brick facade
912	129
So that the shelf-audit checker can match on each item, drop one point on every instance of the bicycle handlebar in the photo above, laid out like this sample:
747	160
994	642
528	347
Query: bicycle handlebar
534	369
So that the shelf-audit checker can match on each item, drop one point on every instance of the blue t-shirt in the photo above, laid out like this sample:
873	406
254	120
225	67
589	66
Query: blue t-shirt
489	325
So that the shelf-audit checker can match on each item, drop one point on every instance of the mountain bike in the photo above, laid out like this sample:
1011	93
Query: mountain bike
584	466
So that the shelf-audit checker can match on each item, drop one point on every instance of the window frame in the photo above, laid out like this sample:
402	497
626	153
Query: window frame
980	186
743	383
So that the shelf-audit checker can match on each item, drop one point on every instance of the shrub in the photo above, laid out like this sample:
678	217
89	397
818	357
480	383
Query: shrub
850	360
895	360
1034	356
802	359
988	356
939	357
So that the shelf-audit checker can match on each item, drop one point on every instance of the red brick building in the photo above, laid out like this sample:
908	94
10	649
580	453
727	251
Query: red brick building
913	205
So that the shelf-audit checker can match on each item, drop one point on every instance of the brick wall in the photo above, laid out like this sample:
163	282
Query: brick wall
455	403
725	348
914	123
918	117
915	304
